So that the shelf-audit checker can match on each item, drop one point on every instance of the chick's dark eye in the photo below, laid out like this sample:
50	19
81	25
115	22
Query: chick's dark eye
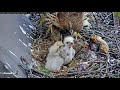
67	42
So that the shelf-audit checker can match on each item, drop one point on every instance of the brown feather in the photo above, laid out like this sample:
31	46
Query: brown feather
71	20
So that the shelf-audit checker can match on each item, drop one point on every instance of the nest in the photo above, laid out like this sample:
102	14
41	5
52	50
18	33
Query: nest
85	63
41	48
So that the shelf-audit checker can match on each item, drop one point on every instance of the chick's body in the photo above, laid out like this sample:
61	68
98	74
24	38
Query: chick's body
67	52
54	61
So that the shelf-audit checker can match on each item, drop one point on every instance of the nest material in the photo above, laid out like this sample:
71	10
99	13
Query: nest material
40	49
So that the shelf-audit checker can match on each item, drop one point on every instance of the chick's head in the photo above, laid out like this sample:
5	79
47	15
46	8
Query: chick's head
69	41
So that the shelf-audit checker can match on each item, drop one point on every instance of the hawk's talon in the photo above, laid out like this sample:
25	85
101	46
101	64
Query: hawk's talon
76	35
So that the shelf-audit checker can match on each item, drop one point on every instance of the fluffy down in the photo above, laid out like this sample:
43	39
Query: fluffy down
67	52
54	63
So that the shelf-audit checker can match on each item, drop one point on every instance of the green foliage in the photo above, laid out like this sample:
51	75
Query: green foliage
116	14
44	70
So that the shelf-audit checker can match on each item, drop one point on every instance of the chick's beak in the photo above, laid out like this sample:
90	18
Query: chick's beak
71	45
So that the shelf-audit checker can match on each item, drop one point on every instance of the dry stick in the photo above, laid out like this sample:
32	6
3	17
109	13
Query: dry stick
107	17
107	68
96	71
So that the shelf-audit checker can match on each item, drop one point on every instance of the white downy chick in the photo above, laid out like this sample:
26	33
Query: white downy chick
54	61
67	52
